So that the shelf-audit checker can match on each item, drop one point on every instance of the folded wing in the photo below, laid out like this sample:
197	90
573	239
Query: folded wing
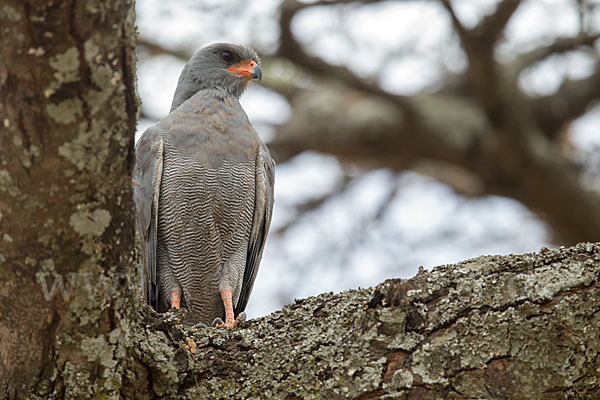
147	175
263	209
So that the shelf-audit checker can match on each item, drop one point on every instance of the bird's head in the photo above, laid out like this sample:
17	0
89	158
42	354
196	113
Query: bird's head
223	66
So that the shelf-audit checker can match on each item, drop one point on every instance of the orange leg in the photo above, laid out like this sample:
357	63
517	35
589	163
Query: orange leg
230	321
175	299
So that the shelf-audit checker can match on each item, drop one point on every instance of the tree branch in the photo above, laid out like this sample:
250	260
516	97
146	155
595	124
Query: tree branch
483	72
313	204
466	36
560	45
156	49
459	331
292	50
570	101
522	165
492	26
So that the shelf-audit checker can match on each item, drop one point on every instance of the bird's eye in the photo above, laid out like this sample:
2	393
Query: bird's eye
227	56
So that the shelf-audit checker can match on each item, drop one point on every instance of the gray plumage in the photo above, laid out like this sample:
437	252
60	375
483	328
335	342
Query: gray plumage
203	188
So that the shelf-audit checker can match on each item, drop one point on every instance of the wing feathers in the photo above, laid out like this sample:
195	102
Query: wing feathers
147	176
263	209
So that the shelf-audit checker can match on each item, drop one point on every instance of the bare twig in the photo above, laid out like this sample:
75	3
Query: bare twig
313	204
571	100
560	45
156	49
464	34
292	50
492	26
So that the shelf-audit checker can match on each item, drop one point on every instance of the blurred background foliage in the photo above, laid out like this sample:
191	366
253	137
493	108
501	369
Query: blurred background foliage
407	133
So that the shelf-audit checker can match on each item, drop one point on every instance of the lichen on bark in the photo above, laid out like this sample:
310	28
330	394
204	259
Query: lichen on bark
477	329
68	107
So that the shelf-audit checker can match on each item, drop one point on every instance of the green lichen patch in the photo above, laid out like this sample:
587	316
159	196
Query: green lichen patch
7	279
157	351
78	383
90	223
29	155
317	343
47	266
90	50
106	79
404	341
90	148
89	295
402	379
99	349
66	65
10	13
7	184
97	98
66	111
17	140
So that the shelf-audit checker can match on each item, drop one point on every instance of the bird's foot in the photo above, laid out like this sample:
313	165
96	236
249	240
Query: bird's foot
226	324
230	323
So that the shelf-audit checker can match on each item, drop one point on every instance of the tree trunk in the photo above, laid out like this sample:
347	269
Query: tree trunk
72	324
67	114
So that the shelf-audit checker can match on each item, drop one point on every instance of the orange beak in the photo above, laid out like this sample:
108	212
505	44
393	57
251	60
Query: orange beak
249	69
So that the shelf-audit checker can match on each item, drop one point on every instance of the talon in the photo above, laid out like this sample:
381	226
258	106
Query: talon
218	322
241	318
227	325
199	325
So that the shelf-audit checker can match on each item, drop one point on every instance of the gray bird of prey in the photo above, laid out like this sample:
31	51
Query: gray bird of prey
203	189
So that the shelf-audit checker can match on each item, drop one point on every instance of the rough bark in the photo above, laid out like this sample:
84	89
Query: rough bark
67	113
511	327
